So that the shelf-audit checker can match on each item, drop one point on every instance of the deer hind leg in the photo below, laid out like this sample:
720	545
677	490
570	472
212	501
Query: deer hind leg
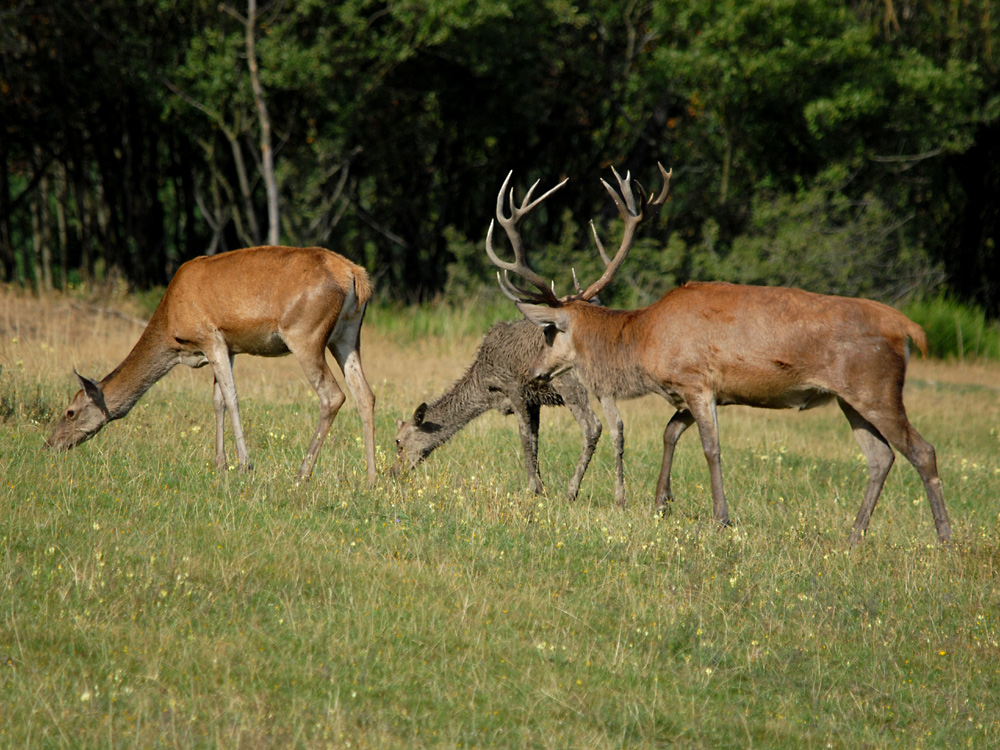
617	427
574	395
879	455
902	436
331	398
364	397
703	411
678	423
224	399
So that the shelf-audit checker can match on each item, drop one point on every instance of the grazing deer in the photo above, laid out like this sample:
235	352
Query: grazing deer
705	345
499	378
266	301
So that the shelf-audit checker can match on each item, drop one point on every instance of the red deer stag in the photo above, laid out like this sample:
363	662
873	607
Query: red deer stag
705	345
510	226
499	378
266	301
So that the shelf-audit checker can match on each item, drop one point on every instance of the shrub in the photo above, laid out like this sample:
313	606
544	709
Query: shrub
955	329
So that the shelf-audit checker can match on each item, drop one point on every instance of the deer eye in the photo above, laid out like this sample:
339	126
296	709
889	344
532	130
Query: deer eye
70	413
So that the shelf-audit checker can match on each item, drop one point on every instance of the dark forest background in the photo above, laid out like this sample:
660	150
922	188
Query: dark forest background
848	147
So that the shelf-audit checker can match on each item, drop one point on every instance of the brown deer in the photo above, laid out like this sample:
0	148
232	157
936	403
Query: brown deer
266	301
705	345
499	378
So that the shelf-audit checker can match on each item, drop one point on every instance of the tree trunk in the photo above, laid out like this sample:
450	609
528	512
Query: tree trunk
45	232
266	152
83	212
32	259
62	198
7	266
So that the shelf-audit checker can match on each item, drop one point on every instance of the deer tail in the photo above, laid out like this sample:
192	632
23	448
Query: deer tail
917	335
362	286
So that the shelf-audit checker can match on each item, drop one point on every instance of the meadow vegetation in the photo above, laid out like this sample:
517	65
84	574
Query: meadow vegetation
149	601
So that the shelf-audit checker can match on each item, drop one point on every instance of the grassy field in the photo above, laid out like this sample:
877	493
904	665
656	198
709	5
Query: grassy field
148	601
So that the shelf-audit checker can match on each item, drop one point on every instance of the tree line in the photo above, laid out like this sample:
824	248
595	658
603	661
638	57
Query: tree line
849	148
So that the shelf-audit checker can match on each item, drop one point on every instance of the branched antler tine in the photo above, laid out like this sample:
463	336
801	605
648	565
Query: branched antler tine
623	210
641	191
516	212
626	189
518	265
503	189
493	256
660	199
600	246
633	213
525	206
632	216
504	287
518	294
520	289
510	223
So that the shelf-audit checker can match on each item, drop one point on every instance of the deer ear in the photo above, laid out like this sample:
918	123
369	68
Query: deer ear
544	316
418	415
93	391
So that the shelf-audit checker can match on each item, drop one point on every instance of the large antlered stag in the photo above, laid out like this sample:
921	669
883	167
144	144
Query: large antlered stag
266	301
705	345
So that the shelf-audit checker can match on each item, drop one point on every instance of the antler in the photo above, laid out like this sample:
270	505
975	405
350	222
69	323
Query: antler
519	266
633	216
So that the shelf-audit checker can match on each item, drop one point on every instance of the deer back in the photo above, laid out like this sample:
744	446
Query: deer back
250	294
771	346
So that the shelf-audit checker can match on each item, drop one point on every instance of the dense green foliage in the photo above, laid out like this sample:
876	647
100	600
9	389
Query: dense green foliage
849	148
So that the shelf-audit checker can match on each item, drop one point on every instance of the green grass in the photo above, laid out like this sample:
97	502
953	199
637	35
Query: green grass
147	601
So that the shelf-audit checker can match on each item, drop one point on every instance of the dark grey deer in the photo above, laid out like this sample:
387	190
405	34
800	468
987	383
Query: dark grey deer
500	378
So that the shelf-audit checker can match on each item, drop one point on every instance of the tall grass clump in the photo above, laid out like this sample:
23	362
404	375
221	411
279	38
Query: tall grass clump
955	329
441	318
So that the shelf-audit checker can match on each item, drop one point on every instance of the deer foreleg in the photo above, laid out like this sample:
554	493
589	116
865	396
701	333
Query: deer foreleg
678	423
574	395
222	367
618	441
527	423
704	413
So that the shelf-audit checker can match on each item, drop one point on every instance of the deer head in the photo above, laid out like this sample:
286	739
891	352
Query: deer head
86	414
554	314
415	439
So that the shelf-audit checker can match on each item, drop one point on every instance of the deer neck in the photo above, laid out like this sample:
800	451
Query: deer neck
149	360
462	403
607	344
